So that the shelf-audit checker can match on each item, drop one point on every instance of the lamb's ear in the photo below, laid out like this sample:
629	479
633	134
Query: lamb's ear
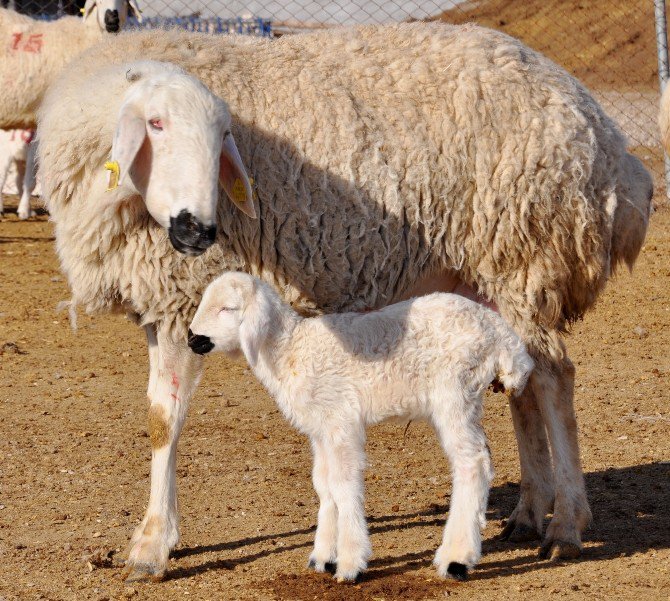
88	8
133	6
255	324
233	177
128	138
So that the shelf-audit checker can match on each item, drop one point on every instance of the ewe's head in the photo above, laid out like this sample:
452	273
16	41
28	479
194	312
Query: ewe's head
173	140
110	15
235	314
631	217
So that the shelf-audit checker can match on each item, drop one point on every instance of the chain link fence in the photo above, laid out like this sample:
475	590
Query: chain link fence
608	44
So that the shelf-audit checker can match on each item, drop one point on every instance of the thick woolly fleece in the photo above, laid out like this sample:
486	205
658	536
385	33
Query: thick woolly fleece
34	53
381	156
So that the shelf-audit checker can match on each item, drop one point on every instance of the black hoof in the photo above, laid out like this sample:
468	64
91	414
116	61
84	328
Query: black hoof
331	567
457	571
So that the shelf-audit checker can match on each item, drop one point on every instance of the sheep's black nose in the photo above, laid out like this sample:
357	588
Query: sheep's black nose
190	236
199	344
112	24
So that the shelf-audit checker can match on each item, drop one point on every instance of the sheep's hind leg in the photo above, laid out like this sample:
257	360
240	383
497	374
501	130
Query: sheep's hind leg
463	440
27	183
553	384
537	487
174	375
323	557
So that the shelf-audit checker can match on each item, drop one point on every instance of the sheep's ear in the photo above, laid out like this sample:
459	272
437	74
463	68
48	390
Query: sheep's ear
255	323
128	138
88	8
233	177
134	7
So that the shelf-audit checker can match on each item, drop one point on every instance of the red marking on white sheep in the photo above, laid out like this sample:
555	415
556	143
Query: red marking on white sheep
33	43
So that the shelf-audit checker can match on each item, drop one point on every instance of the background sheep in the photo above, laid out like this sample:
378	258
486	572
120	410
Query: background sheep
16	149
387	163
427	358
36	51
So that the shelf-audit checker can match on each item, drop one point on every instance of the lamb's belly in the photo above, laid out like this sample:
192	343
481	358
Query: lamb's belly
447	281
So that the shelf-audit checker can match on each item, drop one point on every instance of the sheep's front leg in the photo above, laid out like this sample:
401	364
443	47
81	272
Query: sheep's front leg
346	462
27	183
174	375
5	164
323	557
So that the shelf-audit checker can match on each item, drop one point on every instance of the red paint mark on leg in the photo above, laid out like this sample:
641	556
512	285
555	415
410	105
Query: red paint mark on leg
175	387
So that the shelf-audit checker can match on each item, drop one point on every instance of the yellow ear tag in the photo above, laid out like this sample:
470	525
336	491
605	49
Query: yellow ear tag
82	10
114	173
239	192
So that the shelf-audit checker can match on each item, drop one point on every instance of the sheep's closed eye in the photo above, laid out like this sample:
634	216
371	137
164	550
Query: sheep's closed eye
156	124
227	309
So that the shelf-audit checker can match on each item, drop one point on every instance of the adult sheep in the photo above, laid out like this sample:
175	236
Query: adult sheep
36	51
388	161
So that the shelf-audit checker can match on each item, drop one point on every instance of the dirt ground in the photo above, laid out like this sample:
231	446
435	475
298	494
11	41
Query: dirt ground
74	462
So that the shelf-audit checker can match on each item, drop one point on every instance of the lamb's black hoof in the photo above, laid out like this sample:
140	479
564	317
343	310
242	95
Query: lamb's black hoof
457	571
330	567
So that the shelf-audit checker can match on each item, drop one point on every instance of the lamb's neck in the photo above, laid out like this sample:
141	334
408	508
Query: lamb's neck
274	348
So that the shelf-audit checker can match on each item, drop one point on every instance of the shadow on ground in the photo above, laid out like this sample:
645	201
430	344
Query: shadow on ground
631	510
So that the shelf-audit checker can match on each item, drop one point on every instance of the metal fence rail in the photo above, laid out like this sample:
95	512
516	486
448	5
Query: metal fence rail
608	44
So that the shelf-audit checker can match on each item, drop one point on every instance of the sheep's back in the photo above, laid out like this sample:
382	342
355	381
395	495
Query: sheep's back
382	154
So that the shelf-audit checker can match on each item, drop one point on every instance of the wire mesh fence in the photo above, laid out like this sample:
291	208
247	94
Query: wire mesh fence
608	44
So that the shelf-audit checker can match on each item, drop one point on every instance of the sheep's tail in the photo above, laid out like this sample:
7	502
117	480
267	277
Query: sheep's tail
71	306
514	367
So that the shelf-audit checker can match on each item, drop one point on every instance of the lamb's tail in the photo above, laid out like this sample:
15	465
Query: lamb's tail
514	366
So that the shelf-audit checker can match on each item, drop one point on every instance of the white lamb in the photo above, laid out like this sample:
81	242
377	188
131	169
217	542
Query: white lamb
16	148
427	358
35	51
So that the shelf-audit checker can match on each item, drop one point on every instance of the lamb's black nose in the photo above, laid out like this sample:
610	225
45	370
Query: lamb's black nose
199	344
112	24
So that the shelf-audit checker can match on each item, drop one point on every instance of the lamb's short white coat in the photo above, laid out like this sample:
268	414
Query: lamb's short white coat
426	358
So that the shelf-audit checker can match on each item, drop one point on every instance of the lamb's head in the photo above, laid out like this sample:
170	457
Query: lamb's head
173	141
235	314
110	15
634	191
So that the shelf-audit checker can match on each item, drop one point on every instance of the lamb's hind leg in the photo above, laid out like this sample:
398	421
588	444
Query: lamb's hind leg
174	375
553	384
537	488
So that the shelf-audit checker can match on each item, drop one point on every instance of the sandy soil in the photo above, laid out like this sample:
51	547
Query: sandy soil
74	462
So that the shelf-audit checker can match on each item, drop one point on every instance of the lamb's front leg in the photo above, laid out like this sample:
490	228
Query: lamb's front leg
323	556
346	462
175	372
